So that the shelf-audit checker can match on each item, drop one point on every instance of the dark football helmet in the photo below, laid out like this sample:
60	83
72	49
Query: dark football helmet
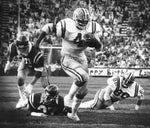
128	79
22	43
52	90
50	94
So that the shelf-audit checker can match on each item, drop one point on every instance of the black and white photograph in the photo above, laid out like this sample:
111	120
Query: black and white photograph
74	64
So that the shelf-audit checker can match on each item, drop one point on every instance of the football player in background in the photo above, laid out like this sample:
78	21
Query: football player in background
49	102
118	88
77	34
32	58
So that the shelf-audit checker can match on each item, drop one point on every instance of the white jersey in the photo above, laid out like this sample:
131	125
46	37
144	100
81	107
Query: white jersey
120	93
70	34
48	28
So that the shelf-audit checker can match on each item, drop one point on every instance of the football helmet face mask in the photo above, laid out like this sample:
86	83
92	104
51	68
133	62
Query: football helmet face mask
51	92
81	17
22	44
128	79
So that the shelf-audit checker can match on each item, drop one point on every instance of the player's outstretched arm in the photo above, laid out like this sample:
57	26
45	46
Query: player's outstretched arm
11	55
41	36
47	29
107	97
7	67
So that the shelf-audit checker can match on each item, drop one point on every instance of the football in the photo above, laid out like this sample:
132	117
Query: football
91	41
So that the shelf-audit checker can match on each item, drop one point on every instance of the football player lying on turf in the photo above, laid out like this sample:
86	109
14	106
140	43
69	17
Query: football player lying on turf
118	88
49	102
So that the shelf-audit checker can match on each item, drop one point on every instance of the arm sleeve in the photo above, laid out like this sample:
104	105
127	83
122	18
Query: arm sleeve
112	82
61	29
39	62
108	91
47	29
34	102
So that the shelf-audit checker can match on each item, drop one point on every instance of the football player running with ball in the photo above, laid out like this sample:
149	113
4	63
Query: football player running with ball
118	88
31	59
77	34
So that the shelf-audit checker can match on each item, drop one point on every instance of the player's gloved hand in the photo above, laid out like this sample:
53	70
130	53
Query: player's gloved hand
91	41
137	107
42	108
28	89
111	107
7	67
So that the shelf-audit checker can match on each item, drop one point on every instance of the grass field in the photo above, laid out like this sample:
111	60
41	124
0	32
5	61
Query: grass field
123	117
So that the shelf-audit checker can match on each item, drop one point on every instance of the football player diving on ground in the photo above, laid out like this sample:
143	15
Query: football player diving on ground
49	102
118	88
31	59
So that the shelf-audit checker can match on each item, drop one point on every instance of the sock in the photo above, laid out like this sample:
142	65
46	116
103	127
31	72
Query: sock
74	88
75	105
21	90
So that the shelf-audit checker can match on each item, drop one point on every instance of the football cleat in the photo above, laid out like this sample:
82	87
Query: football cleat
68	101
73	117
111	107
21	103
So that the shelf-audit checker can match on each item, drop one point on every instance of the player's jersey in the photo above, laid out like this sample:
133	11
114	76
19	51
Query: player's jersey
34	58
120	93
55	106
70	34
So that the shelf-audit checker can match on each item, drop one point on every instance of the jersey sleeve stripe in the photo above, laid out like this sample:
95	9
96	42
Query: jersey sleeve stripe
9	48
93	27
63	28
37	57
31	100
49	29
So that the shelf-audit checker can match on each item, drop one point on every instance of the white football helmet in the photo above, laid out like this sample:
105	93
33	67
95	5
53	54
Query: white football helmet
128	79
81	17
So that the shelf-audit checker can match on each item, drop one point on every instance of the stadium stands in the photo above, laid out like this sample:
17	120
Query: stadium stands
125	26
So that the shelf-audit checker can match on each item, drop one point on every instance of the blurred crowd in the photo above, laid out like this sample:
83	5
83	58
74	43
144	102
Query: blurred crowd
125	24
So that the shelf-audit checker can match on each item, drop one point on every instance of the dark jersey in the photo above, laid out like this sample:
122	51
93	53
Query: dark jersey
34	58
55	106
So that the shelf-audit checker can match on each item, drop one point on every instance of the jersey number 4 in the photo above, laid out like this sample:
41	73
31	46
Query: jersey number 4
79	41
